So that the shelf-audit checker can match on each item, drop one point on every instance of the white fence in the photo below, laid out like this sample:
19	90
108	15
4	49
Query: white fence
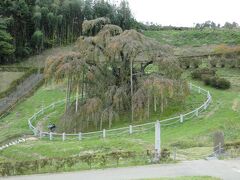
119	131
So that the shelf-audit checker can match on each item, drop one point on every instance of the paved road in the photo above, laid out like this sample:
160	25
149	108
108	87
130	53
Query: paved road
229	170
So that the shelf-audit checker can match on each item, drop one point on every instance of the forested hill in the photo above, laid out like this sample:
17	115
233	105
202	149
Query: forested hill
29	26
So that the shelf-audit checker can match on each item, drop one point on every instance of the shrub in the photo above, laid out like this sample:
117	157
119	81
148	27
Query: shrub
222	83
213	62
222	62
165	153
207	79
201	73
232	63
185	63
196	63
217	82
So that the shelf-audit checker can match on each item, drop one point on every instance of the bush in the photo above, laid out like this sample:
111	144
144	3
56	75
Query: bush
201	73
207	80
222	62
217	82
185	63
232	63
213	62
222	83
196	63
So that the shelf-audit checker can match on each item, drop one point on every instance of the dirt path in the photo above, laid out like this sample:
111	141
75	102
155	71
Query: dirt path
227	170
22	90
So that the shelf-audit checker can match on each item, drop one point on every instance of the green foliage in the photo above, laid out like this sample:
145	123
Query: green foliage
37	40
6	46
99	160
208	76
59	21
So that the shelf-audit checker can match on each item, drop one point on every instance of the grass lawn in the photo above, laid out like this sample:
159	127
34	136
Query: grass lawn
7	78
195	37
15	123
193	137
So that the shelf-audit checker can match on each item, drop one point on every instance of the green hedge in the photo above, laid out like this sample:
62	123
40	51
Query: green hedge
55	164
235	145
86	161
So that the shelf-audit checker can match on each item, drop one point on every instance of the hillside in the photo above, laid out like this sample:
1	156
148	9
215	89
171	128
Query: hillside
196	38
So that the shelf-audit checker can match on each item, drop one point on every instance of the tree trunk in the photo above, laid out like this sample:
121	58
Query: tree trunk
77	98
131	80
148	107
67	94
162	104
155	103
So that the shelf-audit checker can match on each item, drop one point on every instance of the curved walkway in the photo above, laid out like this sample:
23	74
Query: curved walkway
227	170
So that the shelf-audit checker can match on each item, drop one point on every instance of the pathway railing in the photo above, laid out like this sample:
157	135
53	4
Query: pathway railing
131	129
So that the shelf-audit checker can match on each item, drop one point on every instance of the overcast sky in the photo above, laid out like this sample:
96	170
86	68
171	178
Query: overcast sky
185	12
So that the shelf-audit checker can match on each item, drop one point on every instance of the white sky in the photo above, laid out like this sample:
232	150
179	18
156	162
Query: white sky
185	12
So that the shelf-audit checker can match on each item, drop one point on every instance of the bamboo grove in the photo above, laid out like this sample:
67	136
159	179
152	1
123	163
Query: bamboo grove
105	73
30	26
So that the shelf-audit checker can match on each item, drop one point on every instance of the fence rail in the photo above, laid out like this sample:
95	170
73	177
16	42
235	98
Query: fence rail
131	129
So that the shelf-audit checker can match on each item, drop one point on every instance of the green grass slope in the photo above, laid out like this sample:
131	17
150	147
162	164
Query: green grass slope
195	37
193	136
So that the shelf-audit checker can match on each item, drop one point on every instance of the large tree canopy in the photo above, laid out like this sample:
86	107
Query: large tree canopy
107	66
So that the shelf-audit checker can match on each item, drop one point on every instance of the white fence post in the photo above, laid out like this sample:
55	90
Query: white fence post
53	105
197	112
181	118
40	134
205	106
199	90
80	136
157	139
42	109
130	129
104	133
208	95
63	136
50	136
